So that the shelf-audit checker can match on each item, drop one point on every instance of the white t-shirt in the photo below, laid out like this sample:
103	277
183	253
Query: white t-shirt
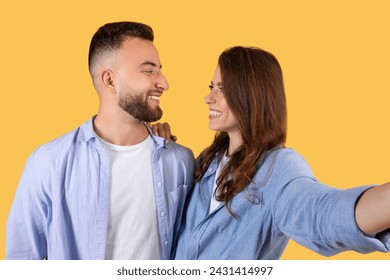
132	227
213	202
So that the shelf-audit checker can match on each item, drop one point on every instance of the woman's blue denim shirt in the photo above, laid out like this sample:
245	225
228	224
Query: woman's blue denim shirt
283	202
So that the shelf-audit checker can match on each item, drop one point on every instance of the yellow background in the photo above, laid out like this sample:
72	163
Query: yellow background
335	56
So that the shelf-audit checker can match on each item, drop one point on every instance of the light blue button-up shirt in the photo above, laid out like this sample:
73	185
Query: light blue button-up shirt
284	201
61	206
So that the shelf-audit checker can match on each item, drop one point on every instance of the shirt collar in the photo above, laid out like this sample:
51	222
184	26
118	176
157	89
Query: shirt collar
157	139
86	132
212	168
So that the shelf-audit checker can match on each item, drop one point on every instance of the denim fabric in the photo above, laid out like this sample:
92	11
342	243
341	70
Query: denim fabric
283	202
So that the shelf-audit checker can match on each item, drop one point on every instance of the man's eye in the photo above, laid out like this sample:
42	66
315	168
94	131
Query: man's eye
149	72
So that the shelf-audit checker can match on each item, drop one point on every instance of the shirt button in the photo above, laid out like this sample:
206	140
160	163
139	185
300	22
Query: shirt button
159	184
162	214
166	243
195	236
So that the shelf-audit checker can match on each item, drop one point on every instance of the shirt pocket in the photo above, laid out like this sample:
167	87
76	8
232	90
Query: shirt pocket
178	194
176	201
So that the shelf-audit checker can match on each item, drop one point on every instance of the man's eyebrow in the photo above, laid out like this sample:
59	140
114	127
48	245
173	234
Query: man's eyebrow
150	63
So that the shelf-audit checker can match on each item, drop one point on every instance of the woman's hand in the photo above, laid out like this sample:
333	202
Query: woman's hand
162	130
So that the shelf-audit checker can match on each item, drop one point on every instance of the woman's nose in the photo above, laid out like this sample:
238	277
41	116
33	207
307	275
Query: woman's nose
209	98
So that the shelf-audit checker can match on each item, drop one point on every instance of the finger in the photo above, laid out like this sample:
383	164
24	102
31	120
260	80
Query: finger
161	130
154	129
167	130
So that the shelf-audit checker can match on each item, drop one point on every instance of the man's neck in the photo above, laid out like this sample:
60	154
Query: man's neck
122	130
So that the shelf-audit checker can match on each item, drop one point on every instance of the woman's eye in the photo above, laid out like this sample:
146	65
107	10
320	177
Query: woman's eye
211	87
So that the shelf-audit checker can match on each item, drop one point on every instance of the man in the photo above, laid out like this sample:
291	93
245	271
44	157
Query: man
109	189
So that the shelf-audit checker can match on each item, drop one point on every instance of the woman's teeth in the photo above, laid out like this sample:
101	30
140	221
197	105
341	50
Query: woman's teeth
215	113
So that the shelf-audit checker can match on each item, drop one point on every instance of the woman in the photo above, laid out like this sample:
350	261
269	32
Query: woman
252	194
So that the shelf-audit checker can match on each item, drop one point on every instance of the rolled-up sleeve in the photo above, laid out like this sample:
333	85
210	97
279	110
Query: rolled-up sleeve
320	217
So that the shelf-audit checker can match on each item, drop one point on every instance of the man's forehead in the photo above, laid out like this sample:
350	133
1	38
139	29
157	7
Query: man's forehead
130	43
142	51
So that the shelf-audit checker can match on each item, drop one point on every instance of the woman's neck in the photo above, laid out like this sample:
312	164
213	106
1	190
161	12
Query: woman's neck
235	141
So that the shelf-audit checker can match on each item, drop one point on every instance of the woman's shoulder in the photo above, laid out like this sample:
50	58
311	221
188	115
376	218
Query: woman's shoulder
287	162
286	155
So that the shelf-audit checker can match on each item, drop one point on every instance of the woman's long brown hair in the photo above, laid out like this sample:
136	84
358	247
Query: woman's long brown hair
253	88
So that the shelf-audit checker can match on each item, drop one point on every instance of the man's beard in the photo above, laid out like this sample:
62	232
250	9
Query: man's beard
138	107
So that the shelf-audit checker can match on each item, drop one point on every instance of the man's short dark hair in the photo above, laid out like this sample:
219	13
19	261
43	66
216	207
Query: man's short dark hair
110	37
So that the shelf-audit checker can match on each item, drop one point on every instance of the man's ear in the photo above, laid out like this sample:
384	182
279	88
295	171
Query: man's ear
108	80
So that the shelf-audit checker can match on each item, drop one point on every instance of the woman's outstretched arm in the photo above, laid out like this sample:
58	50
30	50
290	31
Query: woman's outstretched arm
372	210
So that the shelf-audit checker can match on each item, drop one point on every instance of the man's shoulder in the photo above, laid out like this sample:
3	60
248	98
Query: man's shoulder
179	151
59	146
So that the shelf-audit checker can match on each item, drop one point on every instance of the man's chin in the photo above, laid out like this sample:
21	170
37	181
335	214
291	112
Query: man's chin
151	117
